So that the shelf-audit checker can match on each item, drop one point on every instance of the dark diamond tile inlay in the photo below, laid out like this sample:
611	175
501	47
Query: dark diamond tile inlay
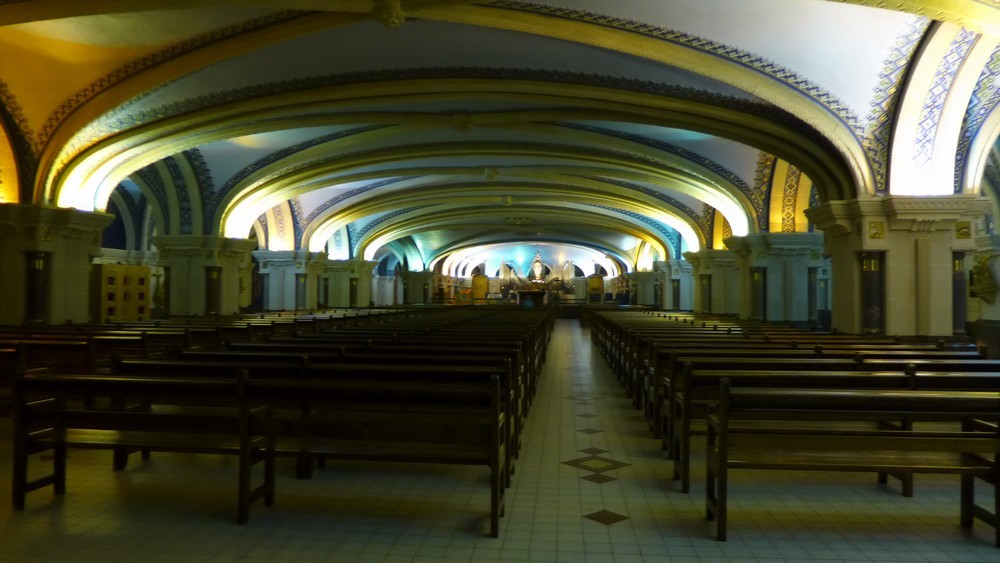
594	451
596	464
586	415
605	517
598	478
590	430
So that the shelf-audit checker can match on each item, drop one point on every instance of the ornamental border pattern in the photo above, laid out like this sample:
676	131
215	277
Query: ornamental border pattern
692	156
213	201
691	214
668	232
985	100
134	67
356	236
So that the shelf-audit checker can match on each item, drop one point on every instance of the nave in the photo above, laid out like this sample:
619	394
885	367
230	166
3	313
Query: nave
591	485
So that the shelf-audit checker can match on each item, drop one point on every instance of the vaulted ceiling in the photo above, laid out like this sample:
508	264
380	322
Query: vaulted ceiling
424	130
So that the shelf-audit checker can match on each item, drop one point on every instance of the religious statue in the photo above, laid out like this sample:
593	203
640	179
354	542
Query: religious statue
537	268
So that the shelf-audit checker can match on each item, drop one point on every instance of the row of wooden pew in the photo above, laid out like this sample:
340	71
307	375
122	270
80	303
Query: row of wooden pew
385	391
789	399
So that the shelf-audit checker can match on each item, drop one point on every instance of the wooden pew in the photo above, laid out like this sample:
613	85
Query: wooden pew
54	413
298	368
516	401
393	420
699	390
353	416
778	363
649	391
836	430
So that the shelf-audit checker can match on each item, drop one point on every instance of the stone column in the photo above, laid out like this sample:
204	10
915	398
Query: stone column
350	282
46	253
204	273
912	241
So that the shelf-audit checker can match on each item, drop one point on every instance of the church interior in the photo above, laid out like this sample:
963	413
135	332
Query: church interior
469	172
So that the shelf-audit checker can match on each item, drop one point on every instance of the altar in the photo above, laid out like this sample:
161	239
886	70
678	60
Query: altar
536	296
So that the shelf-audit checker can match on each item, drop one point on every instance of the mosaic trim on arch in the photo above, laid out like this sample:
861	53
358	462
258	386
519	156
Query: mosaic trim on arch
694	157
668	232
134	206
684	209
152	179
985	100
213	199
747	59
762	177
708	224
944	77
883	106
298	225
262	221
183	196
789	196
992	173
325	206
124	117
355	236
885	97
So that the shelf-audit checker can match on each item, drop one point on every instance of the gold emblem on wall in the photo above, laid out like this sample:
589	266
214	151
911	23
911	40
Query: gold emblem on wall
876	230
963	230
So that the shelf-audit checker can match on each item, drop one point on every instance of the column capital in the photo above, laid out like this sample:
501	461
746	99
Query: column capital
709	257
212	248
37	227
871	219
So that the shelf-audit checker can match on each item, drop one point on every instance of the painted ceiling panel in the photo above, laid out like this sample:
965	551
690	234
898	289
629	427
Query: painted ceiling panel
137	29
586	139
369	47
226	158
840	48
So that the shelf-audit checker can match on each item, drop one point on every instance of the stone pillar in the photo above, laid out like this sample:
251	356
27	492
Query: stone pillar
46	253
911	240
775	269
716	279
679	293
419	287
204	273
350	282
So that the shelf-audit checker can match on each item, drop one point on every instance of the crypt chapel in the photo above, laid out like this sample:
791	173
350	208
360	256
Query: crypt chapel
830	164
816	162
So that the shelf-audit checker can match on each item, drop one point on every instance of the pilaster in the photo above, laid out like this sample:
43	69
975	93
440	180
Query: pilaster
716	280
293	278
350	282
204	274
648	286
902	247
775	269
681	281
418	287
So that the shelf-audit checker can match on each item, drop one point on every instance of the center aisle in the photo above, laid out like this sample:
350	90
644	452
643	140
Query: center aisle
593	485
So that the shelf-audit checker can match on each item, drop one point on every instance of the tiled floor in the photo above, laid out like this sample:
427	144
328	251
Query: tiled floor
591	485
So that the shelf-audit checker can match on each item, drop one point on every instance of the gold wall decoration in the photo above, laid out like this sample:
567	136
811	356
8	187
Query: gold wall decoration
963	230
981	281
876	230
